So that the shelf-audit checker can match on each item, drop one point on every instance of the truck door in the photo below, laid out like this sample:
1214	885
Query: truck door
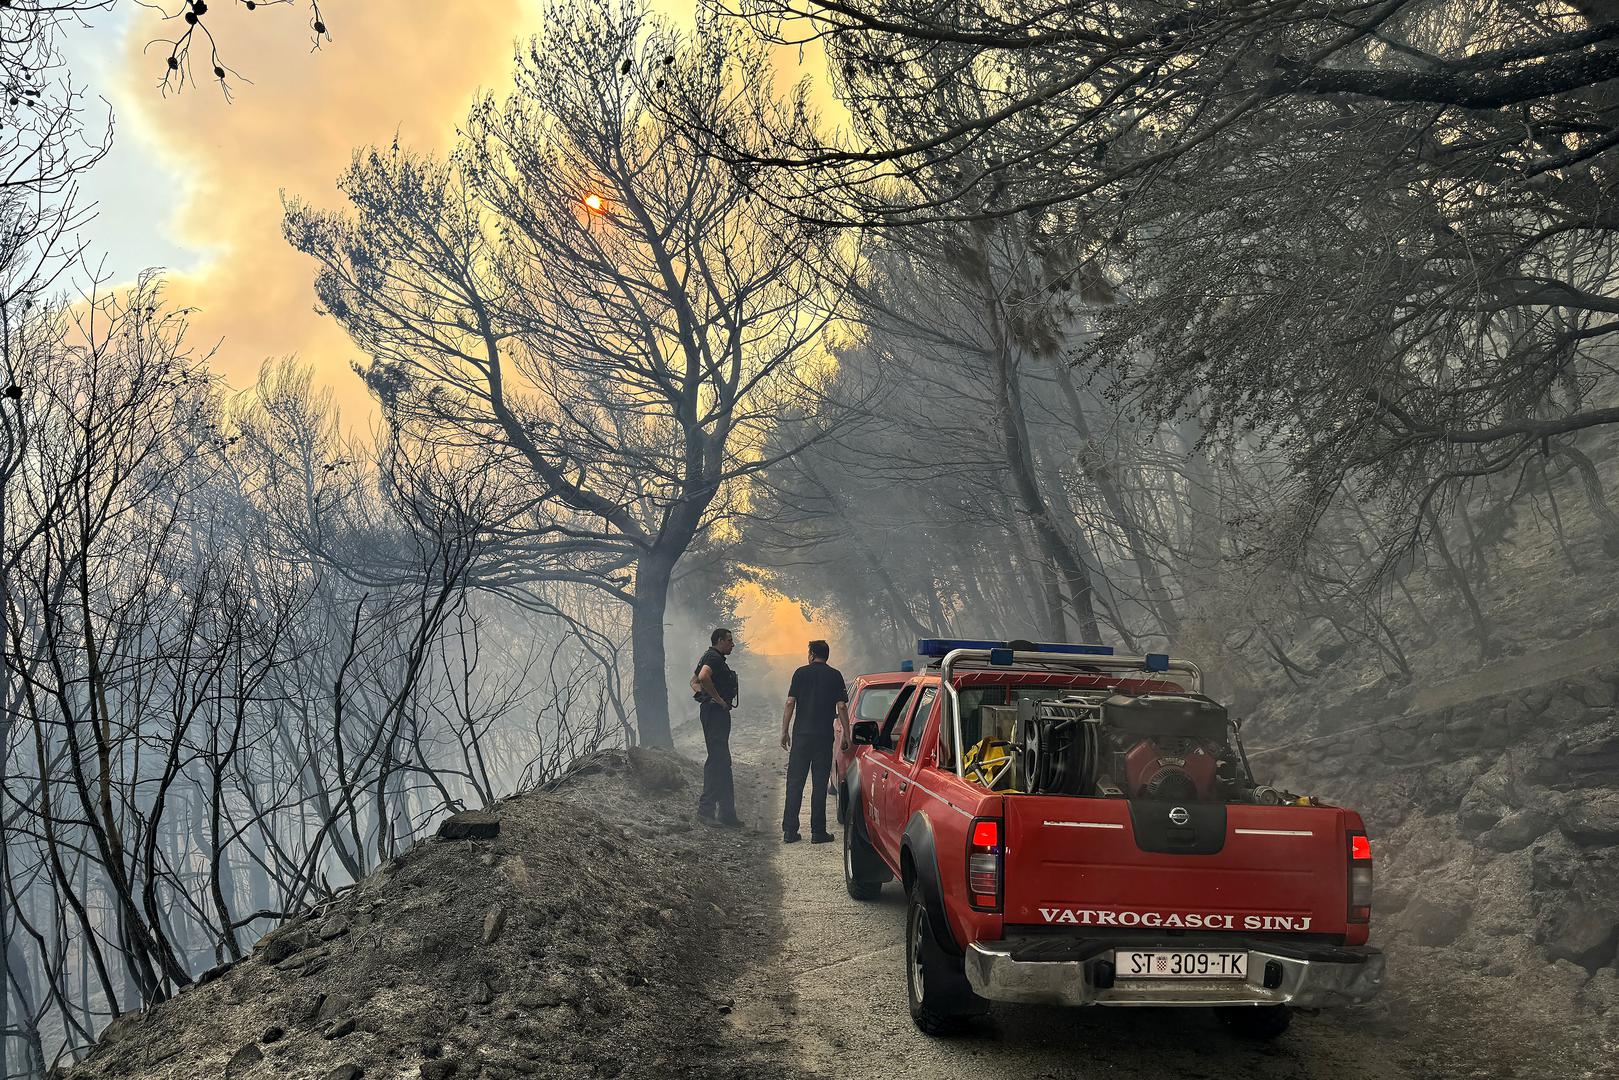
897	796
871	701
875	779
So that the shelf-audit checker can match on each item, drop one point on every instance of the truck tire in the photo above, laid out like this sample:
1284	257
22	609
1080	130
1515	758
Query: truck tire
1263	1022
856	855
941	998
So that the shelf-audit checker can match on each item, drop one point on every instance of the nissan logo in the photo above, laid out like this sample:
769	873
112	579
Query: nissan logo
1179	816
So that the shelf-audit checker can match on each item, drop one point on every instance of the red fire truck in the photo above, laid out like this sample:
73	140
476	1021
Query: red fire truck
1076	827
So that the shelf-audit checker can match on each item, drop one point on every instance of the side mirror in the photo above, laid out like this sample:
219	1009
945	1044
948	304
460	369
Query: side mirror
865	731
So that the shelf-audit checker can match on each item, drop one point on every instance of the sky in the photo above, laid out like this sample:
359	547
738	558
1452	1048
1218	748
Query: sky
194	182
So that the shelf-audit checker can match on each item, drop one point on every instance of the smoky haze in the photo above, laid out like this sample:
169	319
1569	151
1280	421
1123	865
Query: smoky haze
1275	341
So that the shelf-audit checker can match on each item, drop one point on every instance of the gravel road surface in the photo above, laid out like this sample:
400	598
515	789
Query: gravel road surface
832	999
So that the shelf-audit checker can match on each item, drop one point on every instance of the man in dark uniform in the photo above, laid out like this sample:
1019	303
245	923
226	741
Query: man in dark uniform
714	686
816	698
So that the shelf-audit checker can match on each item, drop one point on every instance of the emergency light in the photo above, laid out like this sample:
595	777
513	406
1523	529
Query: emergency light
937	647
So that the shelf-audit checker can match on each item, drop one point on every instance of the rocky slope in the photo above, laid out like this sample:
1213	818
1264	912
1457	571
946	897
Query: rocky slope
1496	825
594	934
1493	803
1489	779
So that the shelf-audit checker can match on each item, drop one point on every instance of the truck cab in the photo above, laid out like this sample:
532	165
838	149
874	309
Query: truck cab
1075	827
870	698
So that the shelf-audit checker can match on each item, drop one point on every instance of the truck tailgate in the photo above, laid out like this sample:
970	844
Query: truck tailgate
1117	863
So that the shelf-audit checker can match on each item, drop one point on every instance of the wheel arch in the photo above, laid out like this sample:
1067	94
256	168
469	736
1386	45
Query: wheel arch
919	862
851	802
867	863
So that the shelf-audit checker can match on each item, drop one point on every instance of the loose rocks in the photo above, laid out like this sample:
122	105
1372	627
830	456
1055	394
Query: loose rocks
1516	831
1592	818
242	1062
494	922
515	871
280	944
1436	920
655	770
330	1008
470	825
1487	801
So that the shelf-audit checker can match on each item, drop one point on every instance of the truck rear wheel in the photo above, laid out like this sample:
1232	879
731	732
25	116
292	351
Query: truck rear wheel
940	996
857	855
1257	1021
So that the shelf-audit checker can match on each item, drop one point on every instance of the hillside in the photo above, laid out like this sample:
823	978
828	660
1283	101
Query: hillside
602	934
594	935
1491	789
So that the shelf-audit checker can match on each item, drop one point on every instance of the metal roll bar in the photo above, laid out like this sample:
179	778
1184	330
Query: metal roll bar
1071	660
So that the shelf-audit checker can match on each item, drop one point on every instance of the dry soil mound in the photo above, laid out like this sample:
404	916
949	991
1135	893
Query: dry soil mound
593	935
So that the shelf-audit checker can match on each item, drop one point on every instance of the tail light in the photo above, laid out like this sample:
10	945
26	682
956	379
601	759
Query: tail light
984	864
1360	878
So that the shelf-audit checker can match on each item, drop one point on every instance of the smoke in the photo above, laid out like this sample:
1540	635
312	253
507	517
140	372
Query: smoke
776	631
405	69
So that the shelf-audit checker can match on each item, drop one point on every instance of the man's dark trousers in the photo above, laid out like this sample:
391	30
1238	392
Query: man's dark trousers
719	794
810	756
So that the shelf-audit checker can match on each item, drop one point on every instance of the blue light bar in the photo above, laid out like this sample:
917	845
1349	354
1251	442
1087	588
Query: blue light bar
1156	661
907	665
937	647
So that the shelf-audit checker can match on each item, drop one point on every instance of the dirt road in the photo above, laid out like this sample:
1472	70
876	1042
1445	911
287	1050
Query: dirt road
831	998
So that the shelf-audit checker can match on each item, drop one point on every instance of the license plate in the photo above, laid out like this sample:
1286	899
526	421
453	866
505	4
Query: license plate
1179	964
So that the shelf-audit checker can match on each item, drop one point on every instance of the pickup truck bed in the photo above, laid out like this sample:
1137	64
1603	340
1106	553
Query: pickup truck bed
1098	900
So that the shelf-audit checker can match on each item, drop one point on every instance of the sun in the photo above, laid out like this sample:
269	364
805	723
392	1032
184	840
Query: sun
595	203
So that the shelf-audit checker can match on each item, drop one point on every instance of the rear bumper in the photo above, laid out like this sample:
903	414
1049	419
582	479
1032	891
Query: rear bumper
1309	977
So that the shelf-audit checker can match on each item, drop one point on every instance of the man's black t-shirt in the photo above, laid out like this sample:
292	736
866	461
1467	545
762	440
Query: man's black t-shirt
724	677
816	689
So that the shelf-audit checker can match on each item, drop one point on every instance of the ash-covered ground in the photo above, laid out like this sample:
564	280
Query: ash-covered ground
596	935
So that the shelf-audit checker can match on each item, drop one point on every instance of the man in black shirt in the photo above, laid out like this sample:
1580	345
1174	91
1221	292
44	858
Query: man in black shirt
714	686
817	696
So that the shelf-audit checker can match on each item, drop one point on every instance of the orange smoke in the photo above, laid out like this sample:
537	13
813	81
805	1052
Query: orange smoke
405	68
774	625
776	633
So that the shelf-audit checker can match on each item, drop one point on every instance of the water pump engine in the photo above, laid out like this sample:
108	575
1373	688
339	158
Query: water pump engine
1164	746
1172	747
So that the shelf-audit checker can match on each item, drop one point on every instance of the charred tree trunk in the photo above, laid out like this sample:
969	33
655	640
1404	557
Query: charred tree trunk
1051	594
1019	456
1100	473
1481	626
1040	595
650	663
1204	527
1595	496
